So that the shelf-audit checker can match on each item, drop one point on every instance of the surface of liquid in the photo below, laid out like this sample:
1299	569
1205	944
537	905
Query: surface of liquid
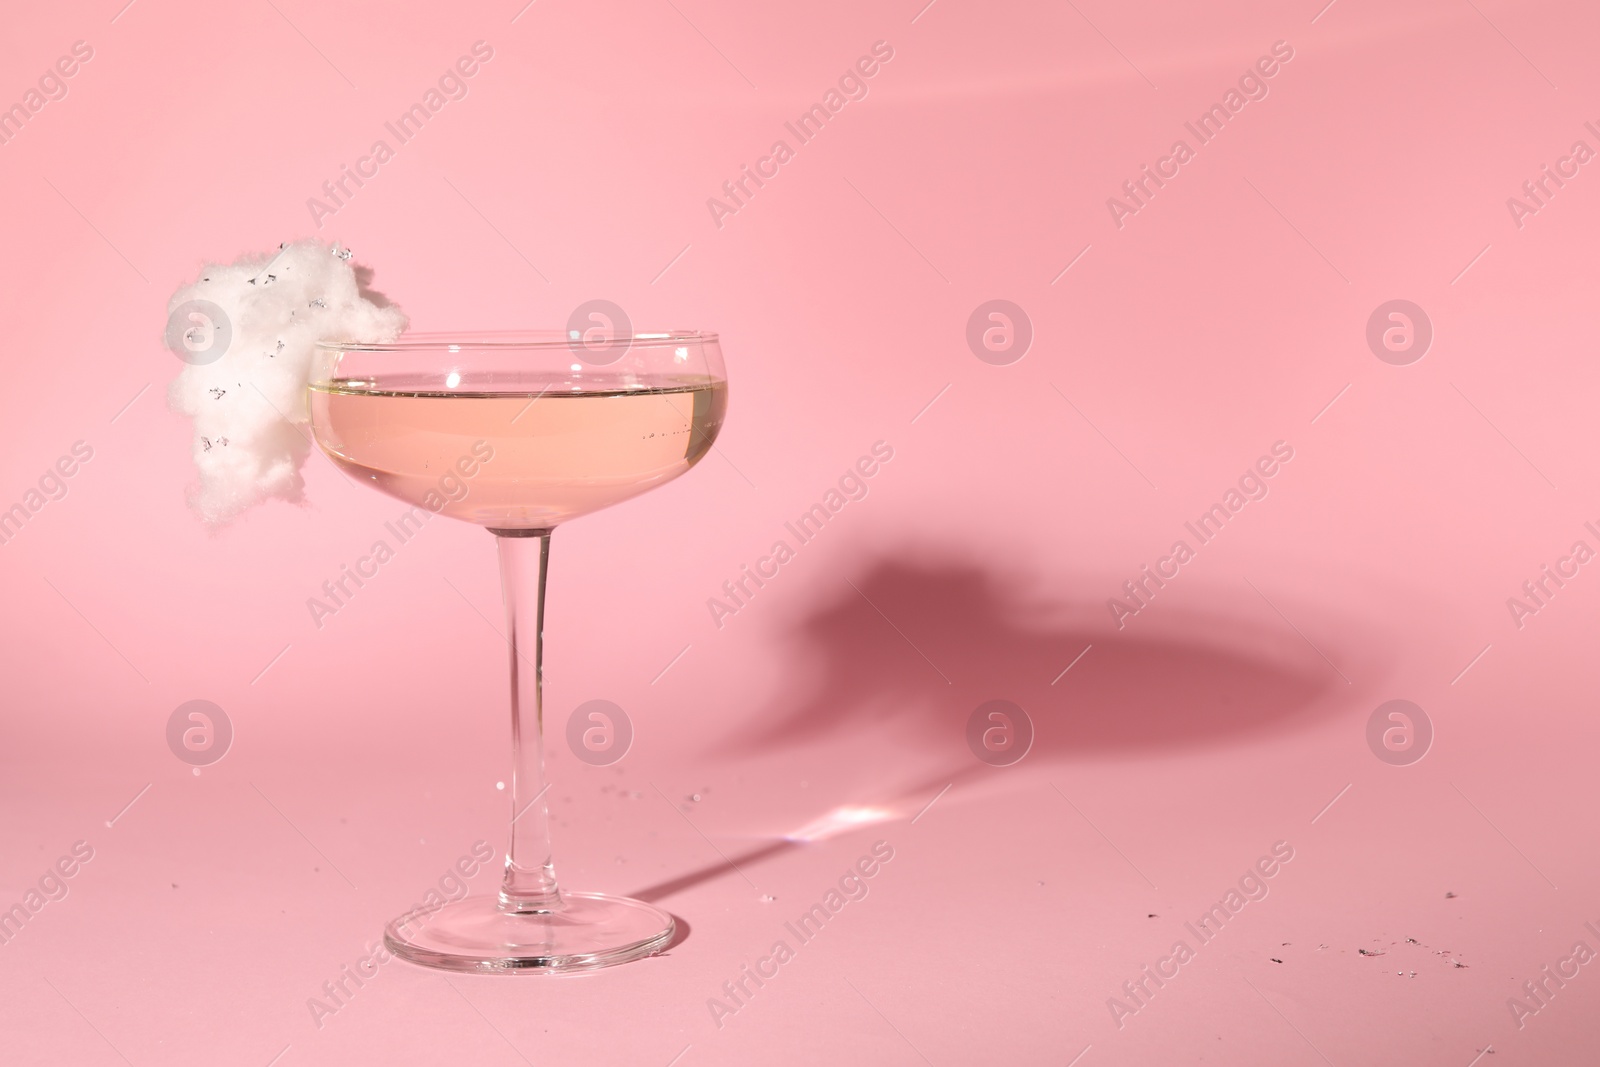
527	459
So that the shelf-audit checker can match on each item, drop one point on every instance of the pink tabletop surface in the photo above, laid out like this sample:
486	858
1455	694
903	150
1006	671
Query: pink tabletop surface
1204	769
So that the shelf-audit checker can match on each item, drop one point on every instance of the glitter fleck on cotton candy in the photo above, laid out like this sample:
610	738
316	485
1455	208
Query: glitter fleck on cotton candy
251	417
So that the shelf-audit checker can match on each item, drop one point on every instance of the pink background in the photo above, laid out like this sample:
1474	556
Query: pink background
1223	317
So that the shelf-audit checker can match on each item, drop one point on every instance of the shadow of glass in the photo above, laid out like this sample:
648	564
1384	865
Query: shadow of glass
733	866
886	674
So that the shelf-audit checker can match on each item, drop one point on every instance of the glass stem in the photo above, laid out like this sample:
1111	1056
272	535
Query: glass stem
530	881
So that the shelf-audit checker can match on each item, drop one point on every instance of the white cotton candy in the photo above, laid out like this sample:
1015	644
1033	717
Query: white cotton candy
251	417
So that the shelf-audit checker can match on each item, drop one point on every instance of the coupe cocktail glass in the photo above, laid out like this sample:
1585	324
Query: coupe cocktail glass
519	433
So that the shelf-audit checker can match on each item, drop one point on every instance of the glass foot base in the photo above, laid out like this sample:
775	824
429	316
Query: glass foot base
589	931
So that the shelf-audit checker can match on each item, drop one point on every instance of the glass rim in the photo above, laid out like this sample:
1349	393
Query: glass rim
515	339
